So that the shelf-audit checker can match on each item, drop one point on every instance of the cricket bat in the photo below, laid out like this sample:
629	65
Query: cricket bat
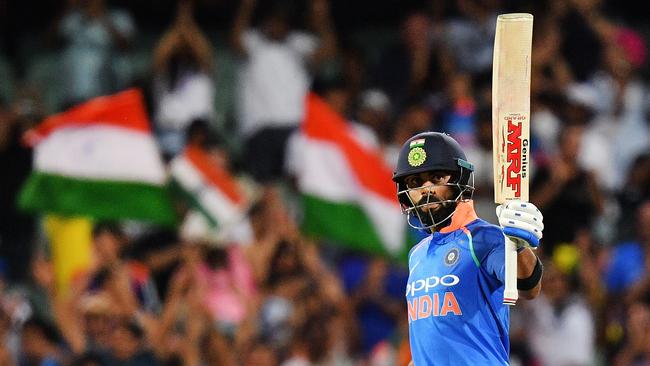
511	123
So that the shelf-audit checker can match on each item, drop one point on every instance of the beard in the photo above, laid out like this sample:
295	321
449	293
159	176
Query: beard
435	212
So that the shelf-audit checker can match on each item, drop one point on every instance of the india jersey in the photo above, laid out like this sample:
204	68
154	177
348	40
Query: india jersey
455	292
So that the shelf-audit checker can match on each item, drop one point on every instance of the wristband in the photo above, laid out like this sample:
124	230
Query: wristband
529	283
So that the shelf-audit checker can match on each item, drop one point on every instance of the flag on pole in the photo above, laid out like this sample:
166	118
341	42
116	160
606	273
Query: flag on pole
99	160
347	190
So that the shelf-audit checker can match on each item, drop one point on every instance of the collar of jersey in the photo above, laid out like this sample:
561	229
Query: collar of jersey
463	215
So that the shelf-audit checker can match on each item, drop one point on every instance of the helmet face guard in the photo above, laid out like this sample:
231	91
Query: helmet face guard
432	152
421	218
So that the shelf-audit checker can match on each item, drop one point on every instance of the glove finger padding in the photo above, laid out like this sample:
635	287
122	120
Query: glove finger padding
535	221
521	221
519	224
523	207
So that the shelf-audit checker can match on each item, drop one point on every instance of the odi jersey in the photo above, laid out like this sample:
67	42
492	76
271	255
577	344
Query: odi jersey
455	293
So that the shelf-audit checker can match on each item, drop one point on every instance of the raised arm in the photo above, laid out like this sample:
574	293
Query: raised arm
184	33
322	24
526	263
242	22
192	37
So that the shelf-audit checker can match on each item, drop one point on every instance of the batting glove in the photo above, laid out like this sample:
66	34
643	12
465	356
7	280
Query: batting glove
522	222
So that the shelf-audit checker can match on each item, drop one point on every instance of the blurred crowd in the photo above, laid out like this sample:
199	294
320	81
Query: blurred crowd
155	297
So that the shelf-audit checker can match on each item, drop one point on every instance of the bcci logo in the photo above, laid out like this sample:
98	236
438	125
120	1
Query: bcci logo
417	156
452	256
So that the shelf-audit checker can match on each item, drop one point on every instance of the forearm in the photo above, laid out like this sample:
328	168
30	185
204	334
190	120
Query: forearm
322	25
242	22
198	45
166	47
526	262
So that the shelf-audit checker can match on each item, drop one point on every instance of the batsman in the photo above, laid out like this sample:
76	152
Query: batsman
456	279
463	276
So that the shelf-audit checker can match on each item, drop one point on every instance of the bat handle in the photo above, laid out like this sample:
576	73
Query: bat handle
510	293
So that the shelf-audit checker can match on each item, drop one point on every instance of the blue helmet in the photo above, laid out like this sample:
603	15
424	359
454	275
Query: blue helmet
432	152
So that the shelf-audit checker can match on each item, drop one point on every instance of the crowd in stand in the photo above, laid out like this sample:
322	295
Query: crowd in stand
156	297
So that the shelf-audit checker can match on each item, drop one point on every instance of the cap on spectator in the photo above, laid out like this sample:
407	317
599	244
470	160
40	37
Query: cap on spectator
375	99
633	46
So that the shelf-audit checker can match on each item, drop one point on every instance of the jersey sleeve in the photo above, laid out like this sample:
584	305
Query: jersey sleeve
490	250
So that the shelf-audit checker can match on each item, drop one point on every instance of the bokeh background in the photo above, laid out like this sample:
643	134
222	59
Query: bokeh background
228	80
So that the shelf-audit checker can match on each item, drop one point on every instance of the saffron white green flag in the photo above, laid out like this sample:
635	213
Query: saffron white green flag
218	205
347	190
99	160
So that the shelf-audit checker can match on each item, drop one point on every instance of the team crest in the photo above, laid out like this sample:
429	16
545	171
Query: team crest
452	256
417	156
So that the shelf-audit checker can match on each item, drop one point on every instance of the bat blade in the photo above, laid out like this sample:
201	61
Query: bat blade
511	122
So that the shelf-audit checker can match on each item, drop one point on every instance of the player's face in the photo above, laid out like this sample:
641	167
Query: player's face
429	187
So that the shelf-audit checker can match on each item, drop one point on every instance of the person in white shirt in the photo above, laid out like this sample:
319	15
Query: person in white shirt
274	80
95	38
183	86
561	317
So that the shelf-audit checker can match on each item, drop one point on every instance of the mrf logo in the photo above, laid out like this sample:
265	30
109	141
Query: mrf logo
422	305
516	154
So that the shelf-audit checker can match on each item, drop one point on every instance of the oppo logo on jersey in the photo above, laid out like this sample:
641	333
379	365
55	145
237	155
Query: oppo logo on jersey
425	305
516	155
431	282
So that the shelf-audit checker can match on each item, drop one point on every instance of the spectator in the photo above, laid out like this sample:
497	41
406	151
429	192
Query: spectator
274	80
375	112
94	36
377	308
550	71
224	279
481	155
127	346
16	228
126	281
635	191
459	116
582	44
636	350
566	194
470	37
628	267
184	89
413	67
416	117
619	131
41	344
89	359
560	316
8	348
260	354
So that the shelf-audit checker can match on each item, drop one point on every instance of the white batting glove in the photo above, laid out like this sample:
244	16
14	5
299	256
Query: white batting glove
522	222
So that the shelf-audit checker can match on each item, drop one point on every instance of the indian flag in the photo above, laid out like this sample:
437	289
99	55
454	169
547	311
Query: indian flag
218	206
347	190
98	160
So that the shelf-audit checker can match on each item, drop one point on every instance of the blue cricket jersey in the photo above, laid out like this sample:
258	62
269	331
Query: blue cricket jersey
455	294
